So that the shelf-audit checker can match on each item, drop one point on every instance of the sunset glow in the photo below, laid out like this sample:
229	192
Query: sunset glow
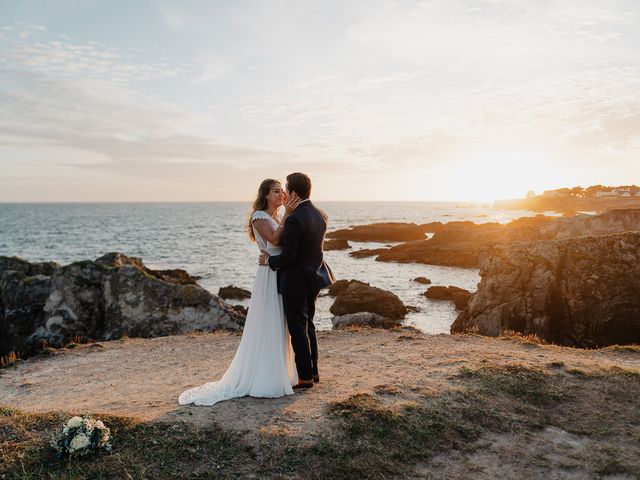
427	100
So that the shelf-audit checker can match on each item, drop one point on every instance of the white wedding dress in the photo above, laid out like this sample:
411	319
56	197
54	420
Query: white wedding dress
263	365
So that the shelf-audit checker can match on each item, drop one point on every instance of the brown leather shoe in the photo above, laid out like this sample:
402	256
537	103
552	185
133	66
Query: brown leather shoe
303	384
316	379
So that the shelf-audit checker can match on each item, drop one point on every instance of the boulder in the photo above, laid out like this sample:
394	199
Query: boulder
461	299
340	286
104	299
336	244
360	297
363	319
580	291
438	293
233	293
459	295
422	280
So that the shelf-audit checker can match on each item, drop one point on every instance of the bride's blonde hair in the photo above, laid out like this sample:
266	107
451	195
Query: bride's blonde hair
260	203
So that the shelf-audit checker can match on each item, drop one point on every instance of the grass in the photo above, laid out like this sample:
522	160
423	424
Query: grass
532	386
380	434
140	450
6	360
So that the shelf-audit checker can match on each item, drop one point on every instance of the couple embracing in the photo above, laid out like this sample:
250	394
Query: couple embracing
278	351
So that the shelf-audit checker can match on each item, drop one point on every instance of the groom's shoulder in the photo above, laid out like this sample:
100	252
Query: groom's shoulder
319	211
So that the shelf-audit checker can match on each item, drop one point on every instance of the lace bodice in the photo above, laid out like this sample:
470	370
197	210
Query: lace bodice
263	244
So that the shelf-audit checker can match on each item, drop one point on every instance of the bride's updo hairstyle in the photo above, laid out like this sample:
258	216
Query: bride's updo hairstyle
260	203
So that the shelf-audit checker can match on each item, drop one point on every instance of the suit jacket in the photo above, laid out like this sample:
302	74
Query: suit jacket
301	267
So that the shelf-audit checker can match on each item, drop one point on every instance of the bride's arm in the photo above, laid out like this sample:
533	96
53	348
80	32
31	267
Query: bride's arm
289	208
274	237
266	231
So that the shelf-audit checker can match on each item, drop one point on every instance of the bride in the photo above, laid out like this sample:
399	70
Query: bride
263	365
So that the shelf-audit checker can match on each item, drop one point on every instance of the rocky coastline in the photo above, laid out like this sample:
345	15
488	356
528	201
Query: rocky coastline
581	291
111	297
571	281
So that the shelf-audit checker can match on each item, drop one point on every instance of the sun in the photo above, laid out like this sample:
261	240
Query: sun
493	174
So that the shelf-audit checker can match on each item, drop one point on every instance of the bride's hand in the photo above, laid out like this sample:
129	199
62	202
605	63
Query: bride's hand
291	204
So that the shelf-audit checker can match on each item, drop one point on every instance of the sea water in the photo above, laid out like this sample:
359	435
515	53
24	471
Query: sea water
209	240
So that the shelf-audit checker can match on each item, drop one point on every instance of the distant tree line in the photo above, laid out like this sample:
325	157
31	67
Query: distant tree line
589	192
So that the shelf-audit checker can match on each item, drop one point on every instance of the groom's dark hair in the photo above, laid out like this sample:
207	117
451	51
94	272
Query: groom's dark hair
299	183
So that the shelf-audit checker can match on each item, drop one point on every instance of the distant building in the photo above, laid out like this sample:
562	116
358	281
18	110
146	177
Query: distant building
600	194
616	192
555	193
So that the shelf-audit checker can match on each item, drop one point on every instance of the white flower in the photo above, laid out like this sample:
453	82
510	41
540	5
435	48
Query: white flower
74	422
99	424
79	442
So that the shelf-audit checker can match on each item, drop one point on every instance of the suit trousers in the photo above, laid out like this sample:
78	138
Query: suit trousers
300	310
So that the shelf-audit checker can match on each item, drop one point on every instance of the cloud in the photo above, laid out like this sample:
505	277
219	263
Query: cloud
88	60
174	18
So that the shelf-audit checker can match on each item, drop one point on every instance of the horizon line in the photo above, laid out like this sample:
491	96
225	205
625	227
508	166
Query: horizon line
243	201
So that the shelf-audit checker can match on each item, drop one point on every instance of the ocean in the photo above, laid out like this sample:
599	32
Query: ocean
209	240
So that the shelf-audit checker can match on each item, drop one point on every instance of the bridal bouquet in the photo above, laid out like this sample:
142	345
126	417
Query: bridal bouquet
81	436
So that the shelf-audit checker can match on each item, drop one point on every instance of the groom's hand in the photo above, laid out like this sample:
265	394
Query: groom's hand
263	259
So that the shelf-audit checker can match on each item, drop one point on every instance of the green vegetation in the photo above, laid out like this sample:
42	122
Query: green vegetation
382	434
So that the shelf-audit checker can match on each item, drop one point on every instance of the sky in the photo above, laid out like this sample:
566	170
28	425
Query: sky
159	100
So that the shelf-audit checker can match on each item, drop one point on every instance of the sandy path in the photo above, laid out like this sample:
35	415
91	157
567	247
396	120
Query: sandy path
143	377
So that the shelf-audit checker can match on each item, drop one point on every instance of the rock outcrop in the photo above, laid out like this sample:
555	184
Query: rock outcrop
367	252
613	221
385	232
458	295
580	291
461	244
233	293
24	289
355	297
363	319
104	299
340	286
336	244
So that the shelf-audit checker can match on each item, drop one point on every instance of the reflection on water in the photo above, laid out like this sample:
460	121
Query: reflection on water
208	240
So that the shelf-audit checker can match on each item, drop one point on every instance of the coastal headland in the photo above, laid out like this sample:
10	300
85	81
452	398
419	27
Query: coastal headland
391	403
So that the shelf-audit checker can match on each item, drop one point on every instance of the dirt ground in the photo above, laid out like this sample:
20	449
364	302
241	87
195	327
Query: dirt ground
143	378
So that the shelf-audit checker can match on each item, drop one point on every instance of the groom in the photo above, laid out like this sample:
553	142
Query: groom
302	272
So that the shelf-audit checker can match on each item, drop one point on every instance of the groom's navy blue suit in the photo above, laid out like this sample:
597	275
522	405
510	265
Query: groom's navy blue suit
302	272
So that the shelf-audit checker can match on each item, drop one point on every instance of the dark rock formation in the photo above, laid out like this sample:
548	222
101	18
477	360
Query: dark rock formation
460	296
461	243
341	285
24	289
579	291
613	221
461	299
363	319
336	244
233	293
422	280
438	293
104	299
354	297
384	232
395	231
366	252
